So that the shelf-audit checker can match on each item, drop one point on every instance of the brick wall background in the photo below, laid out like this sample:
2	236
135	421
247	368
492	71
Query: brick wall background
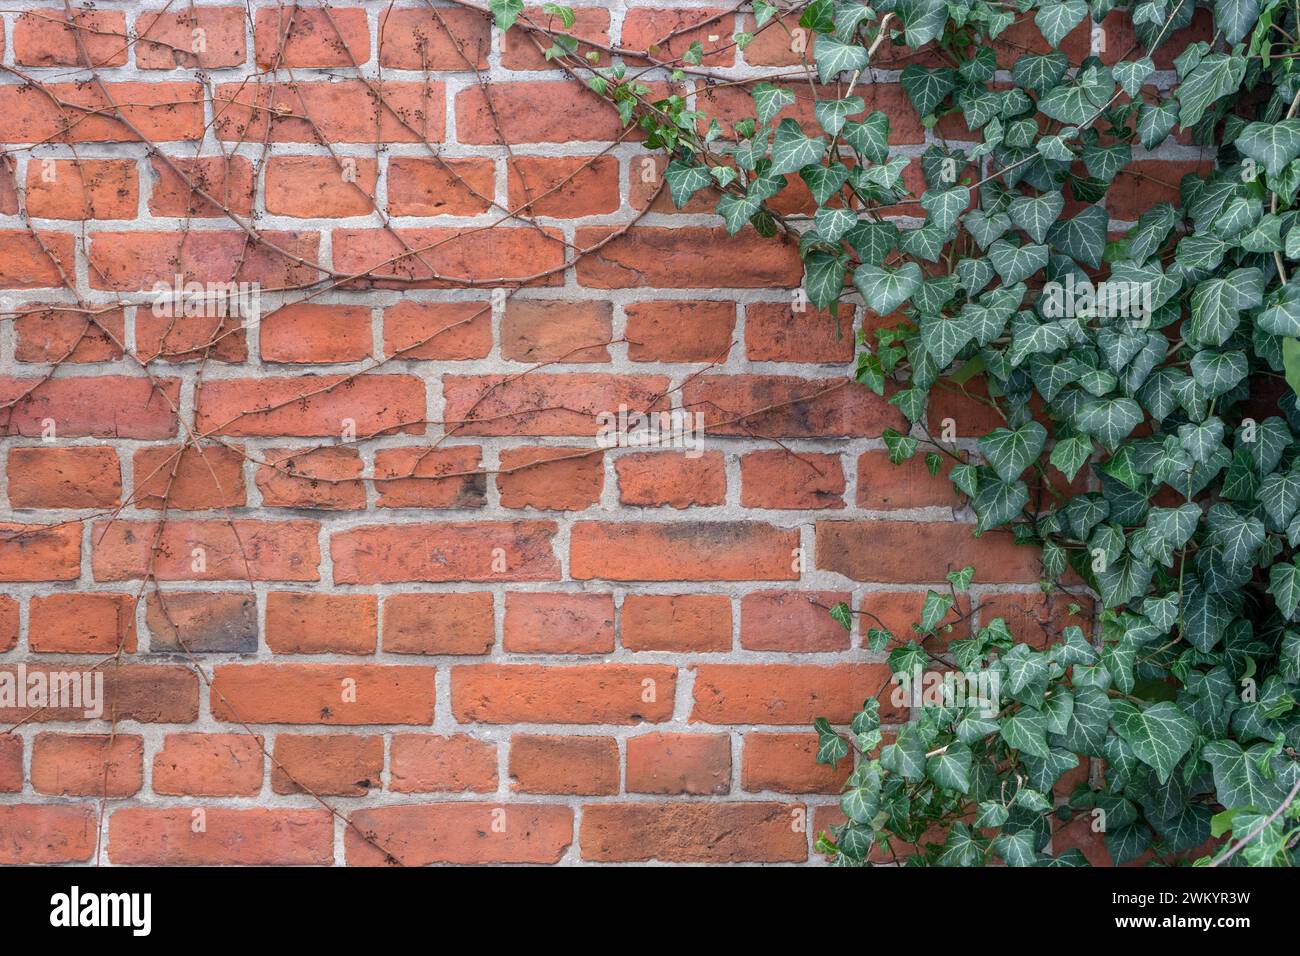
460	632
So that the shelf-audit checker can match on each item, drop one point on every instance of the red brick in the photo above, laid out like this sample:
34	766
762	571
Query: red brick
34	261
1144	183
693	832
439	623
312	405
438	331
167	38
856	548
680	331
791	480
325	477
54	833
682	551
550	330
551	479
162	112
784	693
436	39
668	34
659	478
527	114
519	48
82	189
882	485
310	187
787	763
550	623
422	834
138	261
82	623
101	406
192	622
64	477
45	37
189	478
307	332
679	763
69	336
34	552
87	765
331	765
1037	618
567	187
446	258
236	549
792	621
148	693
583	694
426	763
179	191
8	623
300	36
676	622
775	332
301	622
208	765
449	551
685	258
585	766
782	406
420	477
433	186
314	693
346	111
11	763
171	338
254	837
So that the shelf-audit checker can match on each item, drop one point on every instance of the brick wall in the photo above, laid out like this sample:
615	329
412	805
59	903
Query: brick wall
361	584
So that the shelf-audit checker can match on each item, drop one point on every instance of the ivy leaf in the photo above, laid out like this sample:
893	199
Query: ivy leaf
737	210
831	747
944	338
1039	73
506	12
923	20
944	207
1083	236
870	137
823	278
770	100
1160	735
1110	421
1010	451
1070	454
832	114
926	88
1014	263
1216	304
1155	122
1217	75
1284	585
950	769
998	502
792	150
685	180
824	181
1056	20
1235	18
1076	103
832	222
1273	145
884	290
1026	730
834	57
1131	76
985	227
1249	779
1035	215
